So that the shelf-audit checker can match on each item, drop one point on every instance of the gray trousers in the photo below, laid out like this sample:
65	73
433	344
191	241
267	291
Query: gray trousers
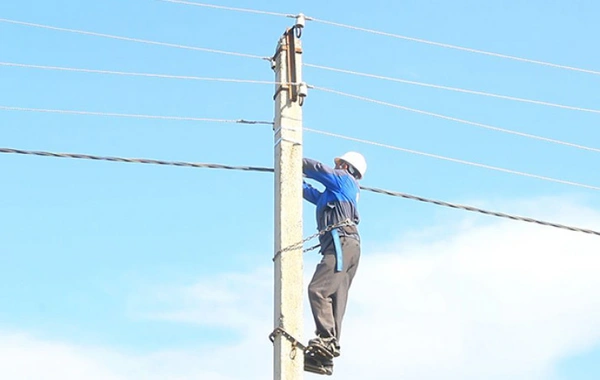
328	289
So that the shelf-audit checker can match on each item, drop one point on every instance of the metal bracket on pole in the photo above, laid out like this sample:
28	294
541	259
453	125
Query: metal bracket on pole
291	56
295	342
297	91
279	140
276	131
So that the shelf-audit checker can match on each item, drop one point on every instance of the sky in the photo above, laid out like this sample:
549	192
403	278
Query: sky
125	271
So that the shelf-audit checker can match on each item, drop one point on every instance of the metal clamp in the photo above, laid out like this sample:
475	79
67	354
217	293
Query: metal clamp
282	127
280	331
279	140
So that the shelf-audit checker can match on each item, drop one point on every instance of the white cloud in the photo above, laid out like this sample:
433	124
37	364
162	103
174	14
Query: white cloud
25	357
232	300
502	300
506	300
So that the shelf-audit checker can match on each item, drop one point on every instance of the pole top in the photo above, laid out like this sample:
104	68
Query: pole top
300	20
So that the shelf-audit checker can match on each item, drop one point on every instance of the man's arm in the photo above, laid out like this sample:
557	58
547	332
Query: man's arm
321	173
310	193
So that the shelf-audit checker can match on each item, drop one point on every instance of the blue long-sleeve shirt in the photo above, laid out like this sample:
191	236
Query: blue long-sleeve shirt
337	202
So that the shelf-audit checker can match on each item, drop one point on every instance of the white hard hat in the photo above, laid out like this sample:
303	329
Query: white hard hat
356	160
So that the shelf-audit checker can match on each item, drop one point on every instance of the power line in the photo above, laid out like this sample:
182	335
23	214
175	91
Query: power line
481	211
134	116
270	170
455	119
133	160
393	35
223	7
464	162
130	39
136	74
233	80
456	89
325	133
455	47
191	77
245	55
263	169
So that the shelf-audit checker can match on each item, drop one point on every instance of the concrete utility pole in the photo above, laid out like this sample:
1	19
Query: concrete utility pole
288	318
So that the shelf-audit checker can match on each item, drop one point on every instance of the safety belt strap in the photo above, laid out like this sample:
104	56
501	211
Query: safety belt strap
339	257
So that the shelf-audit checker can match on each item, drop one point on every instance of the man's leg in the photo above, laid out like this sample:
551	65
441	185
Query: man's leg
351	248
328	290
323	284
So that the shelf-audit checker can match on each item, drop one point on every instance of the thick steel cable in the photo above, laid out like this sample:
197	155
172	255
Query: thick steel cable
480	210
271	170
133	160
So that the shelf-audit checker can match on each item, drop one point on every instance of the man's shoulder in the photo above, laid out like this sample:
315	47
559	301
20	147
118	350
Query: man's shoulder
350	182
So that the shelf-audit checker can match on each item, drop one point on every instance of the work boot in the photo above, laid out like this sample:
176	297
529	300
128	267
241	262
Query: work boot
329	345
318	365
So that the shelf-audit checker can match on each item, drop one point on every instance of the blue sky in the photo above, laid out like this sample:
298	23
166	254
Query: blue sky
93	252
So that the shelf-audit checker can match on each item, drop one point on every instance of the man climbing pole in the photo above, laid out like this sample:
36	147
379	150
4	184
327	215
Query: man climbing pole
337	213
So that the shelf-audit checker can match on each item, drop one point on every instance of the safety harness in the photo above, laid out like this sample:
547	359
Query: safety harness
339	254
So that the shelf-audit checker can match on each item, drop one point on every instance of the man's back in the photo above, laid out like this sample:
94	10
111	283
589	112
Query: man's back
337	203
